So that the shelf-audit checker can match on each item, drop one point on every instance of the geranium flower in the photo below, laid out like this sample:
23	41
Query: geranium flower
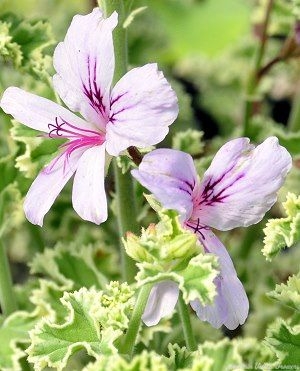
236	191
136	112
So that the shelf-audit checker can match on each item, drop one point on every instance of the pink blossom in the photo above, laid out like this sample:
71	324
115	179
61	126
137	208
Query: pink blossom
237	189
136	112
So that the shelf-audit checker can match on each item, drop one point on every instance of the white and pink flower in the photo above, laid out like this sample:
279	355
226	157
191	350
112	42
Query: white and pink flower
237	189
136	112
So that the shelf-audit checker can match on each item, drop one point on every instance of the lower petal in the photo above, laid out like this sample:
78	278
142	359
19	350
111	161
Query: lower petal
231	305
161	302
47	186
89	198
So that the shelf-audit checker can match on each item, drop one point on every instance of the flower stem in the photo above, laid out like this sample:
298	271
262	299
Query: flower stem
126	208
7	300
184	315
254	74
127	345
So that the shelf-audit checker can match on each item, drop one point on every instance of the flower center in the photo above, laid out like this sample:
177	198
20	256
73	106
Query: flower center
196	226
78	138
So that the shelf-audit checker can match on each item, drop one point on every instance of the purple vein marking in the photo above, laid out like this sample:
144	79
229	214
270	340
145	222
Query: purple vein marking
197	227
209	197
92	91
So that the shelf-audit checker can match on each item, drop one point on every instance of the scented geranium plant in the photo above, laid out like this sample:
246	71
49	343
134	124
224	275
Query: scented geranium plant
138	277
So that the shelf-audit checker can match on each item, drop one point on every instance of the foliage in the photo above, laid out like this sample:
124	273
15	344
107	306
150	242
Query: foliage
74	309
284	232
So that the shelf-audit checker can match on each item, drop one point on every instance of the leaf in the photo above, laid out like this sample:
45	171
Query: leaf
91	324
14	333
11	210
198	279
224	355
71	265
189	141
179	358
284	232
146	361
23	43
132	15
289	293
284	340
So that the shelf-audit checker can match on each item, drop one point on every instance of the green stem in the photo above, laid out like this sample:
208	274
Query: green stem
127	345
254	74
7	299
126	208
184	315
294	119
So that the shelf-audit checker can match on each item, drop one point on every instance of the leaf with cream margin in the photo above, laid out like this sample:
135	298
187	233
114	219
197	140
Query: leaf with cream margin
24	43
284	340
95	320
14	333
283	232
11	211
189	141
289	293
146	361
71	265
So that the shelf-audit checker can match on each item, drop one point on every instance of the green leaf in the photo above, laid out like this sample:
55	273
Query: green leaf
71	265
23	43
284	340
130	18
14	333
198	279
146	361
289	293
179	358
253	352
224	355
284	232
189	141
93	323
11	210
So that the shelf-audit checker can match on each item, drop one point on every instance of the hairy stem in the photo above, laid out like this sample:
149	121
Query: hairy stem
184	315
7	299
126	208
254	74
127	345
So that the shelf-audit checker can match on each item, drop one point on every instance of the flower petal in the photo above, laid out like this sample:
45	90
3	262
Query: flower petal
85	63
171	176
47	186
241	183
143	105
231	305
161	302
37	112
89	198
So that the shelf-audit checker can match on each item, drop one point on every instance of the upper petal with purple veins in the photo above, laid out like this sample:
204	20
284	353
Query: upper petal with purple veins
85	63
241	184
143	105
171	176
